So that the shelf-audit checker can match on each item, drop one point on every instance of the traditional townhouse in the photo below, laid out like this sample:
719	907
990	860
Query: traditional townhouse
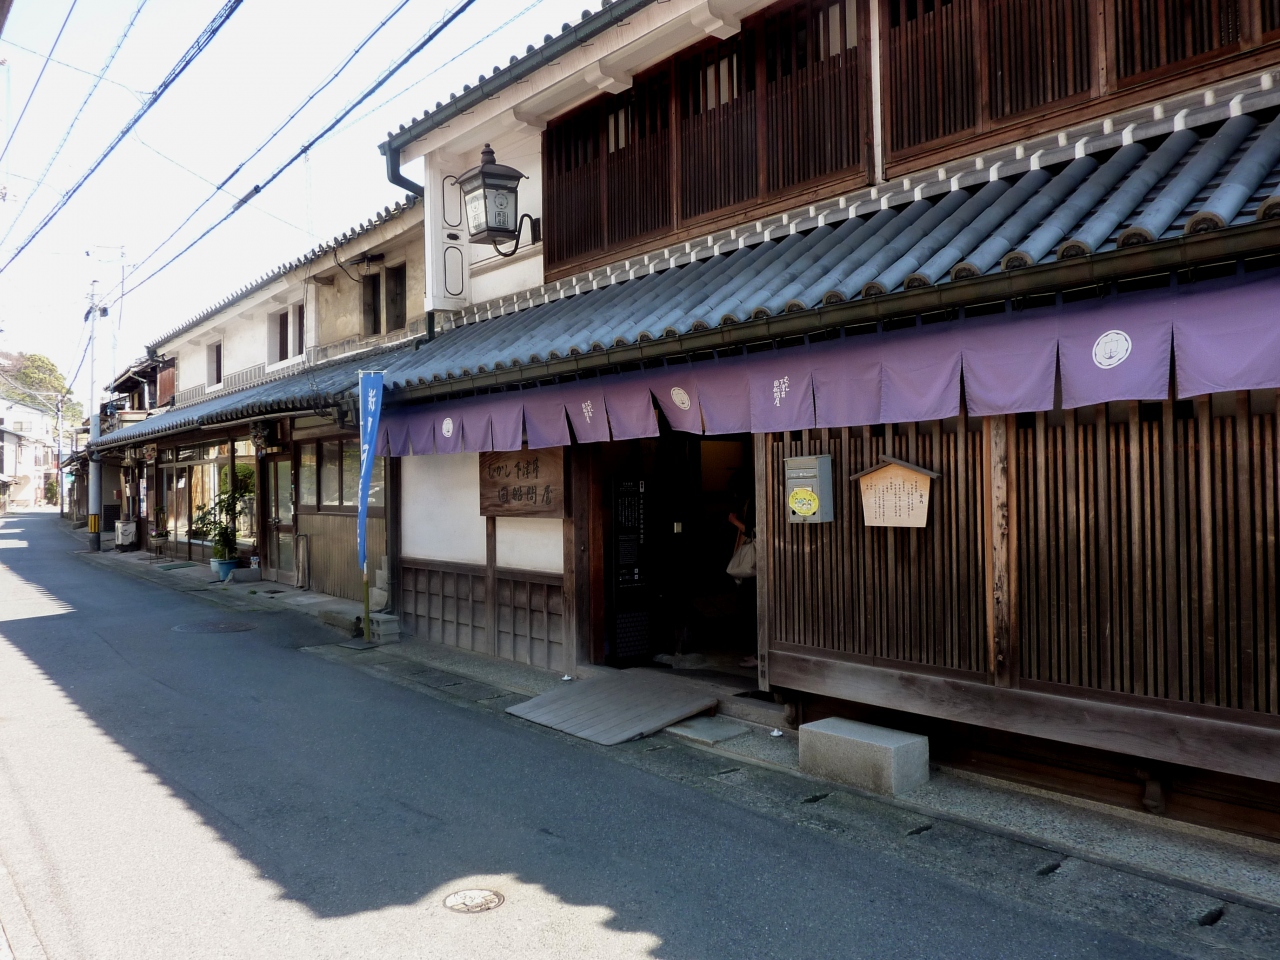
248	396
966	310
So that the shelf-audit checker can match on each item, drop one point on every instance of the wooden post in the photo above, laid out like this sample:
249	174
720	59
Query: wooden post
764	549
999	573
491	582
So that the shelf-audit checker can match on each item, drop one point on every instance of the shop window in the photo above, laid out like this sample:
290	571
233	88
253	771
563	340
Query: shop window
329	478
350	473
396	298
331	473
307	476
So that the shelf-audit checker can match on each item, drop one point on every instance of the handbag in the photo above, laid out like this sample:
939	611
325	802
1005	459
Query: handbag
743	563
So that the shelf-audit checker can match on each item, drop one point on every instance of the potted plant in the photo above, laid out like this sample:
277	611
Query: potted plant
217	522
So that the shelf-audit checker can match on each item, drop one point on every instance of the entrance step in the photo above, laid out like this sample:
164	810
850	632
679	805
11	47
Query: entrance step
708	731
613	709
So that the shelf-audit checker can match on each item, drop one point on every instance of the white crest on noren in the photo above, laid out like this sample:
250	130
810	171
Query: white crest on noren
1111	349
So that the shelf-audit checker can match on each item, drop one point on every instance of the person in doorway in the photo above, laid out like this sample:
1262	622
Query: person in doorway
742	517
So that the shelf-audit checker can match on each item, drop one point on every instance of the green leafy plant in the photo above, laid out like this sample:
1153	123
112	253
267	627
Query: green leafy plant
216	521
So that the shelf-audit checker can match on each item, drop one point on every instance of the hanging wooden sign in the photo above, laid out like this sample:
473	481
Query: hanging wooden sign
522	483
895	493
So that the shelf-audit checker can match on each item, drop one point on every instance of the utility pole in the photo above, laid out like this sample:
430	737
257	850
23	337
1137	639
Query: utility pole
62	497
95	463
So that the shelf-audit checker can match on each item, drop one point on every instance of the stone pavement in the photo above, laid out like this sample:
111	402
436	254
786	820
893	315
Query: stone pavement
1092	858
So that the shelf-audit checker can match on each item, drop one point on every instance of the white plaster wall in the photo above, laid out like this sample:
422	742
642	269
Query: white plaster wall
507	278
244	343
191	366
440	508
531	543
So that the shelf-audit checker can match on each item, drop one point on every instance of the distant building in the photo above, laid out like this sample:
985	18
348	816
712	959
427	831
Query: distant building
28	453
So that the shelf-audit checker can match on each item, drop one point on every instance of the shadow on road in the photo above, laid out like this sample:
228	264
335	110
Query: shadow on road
351	794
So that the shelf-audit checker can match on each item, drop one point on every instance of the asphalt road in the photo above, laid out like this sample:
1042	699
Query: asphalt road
169	795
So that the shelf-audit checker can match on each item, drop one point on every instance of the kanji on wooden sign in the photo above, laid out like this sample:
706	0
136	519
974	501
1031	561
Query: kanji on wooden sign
522	483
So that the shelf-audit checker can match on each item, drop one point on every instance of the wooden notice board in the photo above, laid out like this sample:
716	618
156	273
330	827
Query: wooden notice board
522	483
895	494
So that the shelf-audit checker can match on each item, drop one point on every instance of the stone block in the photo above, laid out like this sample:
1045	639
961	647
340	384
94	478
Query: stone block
875	759
384	627
245	575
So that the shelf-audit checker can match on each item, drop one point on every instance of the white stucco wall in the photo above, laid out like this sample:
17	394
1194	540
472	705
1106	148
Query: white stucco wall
531	543
440	508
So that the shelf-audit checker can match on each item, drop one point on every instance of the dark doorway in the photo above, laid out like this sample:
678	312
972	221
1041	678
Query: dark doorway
668	540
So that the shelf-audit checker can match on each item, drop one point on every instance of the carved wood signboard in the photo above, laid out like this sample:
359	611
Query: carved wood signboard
895	494
522	483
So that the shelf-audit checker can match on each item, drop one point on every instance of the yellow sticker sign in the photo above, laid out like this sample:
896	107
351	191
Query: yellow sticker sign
803	501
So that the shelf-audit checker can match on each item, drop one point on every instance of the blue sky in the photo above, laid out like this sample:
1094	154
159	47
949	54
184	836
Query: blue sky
267	58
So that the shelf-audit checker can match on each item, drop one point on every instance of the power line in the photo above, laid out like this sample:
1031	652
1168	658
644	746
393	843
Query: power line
74	120
440	66
275	133
218	189
201	42
139	94
306	147
39	76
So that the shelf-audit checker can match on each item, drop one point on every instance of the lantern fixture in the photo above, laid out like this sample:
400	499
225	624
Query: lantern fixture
489	195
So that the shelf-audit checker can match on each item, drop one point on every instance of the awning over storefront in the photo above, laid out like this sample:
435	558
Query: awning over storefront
1217	336
312	388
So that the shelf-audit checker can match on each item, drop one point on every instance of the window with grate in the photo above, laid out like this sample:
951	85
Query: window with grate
638	159
930	67
1037	51
717	109
1155	34
811	91
1270	15
572	223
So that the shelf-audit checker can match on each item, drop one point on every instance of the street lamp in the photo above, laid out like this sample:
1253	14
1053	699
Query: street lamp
490	193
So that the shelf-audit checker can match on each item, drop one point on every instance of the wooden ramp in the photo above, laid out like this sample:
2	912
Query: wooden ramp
617	708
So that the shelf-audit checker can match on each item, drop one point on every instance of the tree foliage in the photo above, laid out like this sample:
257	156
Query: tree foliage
35	380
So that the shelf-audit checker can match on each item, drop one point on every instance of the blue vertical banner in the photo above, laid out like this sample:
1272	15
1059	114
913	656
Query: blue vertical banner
370	414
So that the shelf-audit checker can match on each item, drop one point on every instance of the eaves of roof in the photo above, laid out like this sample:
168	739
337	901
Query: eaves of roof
386	215
317	387
1099	270
553	48
1178	191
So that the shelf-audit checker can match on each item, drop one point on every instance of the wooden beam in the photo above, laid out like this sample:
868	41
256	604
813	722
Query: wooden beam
1239	749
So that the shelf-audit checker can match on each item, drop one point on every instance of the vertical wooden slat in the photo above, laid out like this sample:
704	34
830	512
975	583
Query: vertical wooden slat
1245	534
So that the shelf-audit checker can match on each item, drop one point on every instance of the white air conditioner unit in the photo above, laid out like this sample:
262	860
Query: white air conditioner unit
126	533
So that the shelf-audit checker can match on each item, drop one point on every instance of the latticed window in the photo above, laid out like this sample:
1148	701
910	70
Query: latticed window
811	89
717	92
1152	34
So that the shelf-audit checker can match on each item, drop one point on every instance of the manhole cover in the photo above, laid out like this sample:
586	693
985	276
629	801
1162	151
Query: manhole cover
215	626
473	901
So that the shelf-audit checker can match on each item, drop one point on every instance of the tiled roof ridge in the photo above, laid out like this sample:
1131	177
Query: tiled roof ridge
385	215
591	25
